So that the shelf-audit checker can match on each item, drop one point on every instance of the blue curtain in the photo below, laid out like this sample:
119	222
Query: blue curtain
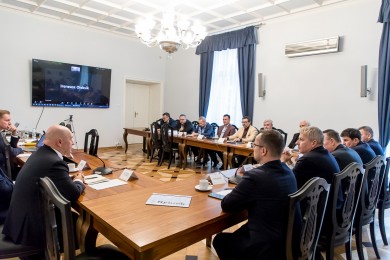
245	41
206	71
246	72
384	76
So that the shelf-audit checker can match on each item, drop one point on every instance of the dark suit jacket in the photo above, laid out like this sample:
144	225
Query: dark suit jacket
264	192
376	147
15	150
316	163
24	223
6	188
365	152
230	130
188	127
344	156
293	141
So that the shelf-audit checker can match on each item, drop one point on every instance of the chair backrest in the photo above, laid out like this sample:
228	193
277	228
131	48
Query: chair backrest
94	144
237	127
195	124
372	182
302	239
385	192
283	133
343	201
52	200
166	137
156	143
7	148
215	126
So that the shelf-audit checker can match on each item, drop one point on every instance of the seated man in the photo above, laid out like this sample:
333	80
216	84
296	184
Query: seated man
264	235
368	137
352	139
207	131
166	119
247	133
268	124
224	131
6	188
185	125
303	123
343	155
24	223
6	125
315	161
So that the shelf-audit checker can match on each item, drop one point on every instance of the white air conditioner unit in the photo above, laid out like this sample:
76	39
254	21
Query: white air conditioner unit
320	46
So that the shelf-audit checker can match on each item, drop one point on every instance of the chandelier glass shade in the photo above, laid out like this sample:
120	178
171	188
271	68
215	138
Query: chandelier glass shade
171	34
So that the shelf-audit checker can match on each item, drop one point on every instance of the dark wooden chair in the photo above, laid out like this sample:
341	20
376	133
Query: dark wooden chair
168	146
369	195
54	203
384	202
237	127
283	133
215	127
195	124
94	144
303	229
155	140
343	200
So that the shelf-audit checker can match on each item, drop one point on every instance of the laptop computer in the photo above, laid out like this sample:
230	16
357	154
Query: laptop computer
34	148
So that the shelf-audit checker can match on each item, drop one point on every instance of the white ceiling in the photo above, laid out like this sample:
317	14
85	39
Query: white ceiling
120	16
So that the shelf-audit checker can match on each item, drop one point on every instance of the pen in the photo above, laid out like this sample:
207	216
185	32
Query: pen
88	178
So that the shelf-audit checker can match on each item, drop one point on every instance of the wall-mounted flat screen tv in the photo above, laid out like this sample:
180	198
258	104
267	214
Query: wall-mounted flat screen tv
58	84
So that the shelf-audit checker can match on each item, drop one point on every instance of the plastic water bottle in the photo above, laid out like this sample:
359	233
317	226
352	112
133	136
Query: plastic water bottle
34	133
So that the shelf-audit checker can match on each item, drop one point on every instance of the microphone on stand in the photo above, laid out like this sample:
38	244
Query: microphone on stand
102	170
237	178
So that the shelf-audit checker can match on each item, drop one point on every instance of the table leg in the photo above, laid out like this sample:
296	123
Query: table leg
225	160
148	147
183	155
208	241
144	145
230	159
125	139
86	235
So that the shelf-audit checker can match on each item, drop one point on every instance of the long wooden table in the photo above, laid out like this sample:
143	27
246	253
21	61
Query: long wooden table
152	232
228	149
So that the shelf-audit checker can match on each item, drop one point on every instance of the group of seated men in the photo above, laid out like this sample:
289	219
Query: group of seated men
264	190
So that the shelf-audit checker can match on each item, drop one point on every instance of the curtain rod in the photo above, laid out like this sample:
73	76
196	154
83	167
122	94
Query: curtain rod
256	25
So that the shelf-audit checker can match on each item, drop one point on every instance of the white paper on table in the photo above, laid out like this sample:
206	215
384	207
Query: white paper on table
169	200
107	184
22	155
216	178
224	192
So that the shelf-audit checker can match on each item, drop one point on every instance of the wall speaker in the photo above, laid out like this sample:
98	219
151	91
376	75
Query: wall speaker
363	81
261	85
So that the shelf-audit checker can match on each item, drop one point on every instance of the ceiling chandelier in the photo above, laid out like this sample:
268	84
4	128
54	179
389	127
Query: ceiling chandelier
171	34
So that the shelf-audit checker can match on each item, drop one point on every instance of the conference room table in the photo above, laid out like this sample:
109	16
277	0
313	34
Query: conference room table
152	232
228	149
147	231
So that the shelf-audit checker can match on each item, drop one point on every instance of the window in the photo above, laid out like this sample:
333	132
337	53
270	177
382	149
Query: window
225	89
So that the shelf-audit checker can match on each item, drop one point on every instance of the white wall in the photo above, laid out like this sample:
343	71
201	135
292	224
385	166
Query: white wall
324	89
25	36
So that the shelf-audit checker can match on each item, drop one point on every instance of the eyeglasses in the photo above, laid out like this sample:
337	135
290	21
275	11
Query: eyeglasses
257	145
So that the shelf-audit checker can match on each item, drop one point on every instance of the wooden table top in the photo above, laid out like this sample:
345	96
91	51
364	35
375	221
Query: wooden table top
157	231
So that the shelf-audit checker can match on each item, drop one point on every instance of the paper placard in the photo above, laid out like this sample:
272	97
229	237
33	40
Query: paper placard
200	137
247	167
127	175
169	200
221	140
216	178
81	165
